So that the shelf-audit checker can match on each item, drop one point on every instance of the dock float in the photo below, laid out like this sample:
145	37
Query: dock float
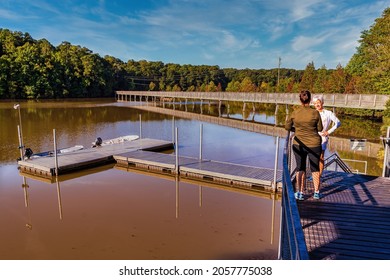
86	158
204	170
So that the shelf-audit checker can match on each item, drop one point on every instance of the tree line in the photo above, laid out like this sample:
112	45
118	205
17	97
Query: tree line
35	69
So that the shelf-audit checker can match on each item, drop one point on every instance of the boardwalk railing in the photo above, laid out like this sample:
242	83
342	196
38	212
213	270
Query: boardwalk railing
362	101
292	241
292	244
335	161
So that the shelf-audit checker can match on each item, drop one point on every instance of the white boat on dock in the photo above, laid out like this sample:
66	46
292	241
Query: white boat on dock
29	154
99	142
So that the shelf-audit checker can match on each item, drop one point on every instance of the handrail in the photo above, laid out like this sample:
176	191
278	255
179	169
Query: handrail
362	101
292	245
335	158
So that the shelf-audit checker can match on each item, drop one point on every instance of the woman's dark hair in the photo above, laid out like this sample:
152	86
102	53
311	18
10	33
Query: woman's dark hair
305	96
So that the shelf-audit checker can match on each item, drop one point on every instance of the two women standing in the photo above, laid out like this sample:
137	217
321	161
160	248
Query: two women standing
306	122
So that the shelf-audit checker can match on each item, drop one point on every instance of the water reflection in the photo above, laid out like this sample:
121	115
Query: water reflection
140	217
25	187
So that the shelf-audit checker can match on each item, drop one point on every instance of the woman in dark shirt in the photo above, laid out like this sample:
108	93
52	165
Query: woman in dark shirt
306	122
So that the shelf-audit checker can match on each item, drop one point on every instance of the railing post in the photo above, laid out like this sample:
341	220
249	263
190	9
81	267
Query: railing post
385	159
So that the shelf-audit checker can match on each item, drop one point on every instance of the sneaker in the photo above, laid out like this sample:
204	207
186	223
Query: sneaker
298	195
316	195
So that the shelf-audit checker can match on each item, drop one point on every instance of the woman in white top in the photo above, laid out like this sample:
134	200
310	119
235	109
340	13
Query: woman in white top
328	118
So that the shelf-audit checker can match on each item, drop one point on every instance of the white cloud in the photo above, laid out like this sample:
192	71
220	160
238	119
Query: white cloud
301	43
6	14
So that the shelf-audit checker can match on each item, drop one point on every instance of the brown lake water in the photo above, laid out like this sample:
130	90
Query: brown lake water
110	213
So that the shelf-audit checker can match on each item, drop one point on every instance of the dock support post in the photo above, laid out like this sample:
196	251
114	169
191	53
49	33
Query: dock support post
55	152
173	129
59	198
177	195
276	163
20	144
140	126
200	142
20	131
176	151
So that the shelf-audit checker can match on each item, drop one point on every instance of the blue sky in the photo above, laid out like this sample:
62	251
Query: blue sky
228	33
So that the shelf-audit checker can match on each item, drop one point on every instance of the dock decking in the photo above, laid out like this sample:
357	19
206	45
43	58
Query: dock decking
351	220
69	162
141	154
219	172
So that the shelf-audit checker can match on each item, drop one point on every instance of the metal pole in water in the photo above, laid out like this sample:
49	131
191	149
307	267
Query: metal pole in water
173	129
59	198
20	131
140	126
20	143
176	151
177	195
200	141
55	151
276	162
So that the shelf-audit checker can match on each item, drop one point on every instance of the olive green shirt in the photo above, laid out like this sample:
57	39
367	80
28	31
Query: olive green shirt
306	122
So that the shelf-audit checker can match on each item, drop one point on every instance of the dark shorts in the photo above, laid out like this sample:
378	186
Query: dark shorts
301	153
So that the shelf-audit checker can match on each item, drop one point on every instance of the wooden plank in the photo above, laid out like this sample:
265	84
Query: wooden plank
351	221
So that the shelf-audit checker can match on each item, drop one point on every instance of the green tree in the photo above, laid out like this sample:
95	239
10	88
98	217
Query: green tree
372	59
308	78
321	84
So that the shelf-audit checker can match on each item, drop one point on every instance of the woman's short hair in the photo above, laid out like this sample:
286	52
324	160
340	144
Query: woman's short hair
305	96
318	97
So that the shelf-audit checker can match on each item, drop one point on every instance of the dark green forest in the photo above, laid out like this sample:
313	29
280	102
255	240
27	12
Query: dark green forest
35	69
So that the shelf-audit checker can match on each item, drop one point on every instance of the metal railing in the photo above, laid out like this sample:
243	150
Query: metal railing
362	101
336	160
292	245
354	161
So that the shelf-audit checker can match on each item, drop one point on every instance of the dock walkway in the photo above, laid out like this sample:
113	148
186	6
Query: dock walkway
86	158
142	154
351	220
219	172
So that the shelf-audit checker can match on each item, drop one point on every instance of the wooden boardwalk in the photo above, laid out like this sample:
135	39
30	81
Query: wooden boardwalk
361	101
351	220
335	143
207	170
86	158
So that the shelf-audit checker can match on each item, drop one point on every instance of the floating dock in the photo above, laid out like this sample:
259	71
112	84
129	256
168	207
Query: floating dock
142	154
204	170
87	158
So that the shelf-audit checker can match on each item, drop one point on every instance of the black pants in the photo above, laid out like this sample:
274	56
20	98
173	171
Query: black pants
302	152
